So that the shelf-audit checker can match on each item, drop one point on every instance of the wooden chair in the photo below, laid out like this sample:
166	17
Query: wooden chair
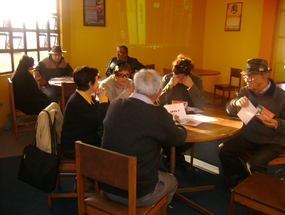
67	89
235	74
166	71
46	137
150	66
112	168
17	113
245	155
261	193
67	168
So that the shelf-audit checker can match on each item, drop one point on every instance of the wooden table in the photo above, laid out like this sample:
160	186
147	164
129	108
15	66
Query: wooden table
68	87
199	72
205	72
225	126
58	80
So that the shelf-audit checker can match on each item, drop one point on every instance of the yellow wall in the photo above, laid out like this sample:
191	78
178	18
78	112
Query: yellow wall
210	46
94	46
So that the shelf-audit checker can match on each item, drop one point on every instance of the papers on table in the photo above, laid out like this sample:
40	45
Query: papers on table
190	119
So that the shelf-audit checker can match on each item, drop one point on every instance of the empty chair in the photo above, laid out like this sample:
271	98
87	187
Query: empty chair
259	192
235	74
166	71
112	168
17	113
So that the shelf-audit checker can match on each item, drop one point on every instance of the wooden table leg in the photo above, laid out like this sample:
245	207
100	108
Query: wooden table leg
172	160
188	189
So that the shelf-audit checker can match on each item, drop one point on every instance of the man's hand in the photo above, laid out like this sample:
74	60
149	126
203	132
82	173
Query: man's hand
242	102
272	123
175	117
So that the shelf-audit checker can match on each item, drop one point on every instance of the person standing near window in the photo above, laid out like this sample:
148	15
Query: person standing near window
52	66
28	98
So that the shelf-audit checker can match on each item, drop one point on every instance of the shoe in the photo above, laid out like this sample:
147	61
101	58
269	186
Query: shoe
165	161
184	165
235	183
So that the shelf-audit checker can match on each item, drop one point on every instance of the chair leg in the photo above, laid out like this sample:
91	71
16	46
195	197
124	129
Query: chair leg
192	157
49	200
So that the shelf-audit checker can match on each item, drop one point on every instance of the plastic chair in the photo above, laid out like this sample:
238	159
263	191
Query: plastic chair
112	168
235	73
17	113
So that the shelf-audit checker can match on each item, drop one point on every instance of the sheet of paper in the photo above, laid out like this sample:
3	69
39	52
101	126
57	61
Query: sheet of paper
176	109
246	113
190	119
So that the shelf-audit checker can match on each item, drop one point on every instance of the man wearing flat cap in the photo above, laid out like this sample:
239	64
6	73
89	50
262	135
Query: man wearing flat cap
266	137
52	66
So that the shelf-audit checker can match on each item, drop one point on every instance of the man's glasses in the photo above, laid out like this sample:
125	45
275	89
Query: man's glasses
120	52
249	78
123	75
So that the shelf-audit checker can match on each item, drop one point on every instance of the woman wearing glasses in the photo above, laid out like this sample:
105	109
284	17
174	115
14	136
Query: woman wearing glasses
118	85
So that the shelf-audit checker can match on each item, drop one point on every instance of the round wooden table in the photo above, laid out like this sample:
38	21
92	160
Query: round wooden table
224	126
205	72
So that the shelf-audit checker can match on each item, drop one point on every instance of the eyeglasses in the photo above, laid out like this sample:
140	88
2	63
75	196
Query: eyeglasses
247	78
123	75
120	52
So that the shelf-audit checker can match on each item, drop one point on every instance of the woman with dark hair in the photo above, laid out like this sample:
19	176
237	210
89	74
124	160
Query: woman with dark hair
83	115
28	97
118	85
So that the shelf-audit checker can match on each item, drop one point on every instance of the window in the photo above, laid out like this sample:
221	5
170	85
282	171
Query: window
29	27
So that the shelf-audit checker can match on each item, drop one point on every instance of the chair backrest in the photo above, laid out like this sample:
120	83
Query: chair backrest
109	167
49	125
166	71
150	66
67	89
235	73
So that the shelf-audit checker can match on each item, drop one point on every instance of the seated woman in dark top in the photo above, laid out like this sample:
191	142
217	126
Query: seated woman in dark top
28	98
83	115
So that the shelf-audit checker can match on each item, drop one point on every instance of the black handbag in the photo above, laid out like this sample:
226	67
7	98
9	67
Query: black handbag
38	168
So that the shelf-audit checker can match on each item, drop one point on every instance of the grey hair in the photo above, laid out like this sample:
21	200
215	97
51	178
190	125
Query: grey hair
147	82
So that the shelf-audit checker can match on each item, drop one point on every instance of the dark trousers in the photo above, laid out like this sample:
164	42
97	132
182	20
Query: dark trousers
262	154
179	157
52	92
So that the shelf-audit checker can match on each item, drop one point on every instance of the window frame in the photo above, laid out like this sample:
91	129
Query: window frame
49	34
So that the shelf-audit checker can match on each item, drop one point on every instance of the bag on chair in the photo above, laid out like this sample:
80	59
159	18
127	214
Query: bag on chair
38	168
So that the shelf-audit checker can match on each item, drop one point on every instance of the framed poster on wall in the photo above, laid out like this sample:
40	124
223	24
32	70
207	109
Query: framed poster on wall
233	17
94	13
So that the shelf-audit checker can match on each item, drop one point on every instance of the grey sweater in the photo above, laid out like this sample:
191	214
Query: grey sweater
273	100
